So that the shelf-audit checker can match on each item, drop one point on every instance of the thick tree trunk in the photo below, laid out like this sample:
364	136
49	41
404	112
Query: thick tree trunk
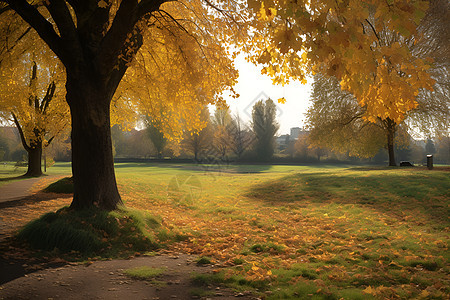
390	142
92	156
34	161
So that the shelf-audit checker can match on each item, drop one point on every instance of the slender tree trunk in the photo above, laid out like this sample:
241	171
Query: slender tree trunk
34	161
390	128
92	156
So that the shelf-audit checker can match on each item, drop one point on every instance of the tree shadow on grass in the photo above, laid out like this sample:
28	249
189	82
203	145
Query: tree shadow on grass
394	193
6	179
33	199
221	167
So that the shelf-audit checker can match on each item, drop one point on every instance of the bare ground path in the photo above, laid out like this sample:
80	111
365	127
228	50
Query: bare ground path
17	189
106	280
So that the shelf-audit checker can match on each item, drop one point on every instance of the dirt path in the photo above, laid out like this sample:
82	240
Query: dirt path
17	189
106	280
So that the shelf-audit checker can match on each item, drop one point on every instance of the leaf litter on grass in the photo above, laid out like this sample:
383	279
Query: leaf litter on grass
380	241
327	233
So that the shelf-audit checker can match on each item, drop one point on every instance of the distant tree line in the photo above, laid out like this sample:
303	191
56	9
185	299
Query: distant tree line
226	137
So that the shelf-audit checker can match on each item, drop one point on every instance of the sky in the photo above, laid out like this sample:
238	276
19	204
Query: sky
252	86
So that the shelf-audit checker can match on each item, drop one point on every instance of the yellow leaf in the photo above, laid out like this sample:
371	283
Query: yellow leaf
282	100
369	290
102	4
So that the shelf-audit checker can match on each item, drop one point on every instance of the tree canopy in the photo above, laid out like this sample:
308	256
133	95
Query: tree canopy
365	44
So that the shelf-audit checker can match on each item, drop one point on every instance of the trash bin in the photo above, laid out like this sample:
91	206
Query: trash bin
430	162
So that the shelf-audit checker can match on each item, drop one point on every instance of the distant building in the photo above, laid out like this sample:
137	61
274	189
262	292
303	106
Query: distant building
295	132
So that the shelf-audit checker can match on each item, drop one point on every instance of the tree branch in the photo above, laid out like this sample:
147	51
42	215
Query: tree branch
149	6
374	31
113	43
49	141
63	19
44	28
22	135
48	97
351	120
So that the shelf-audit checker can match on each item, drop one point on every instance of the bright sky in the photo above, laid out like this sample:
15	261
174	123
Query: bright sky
252	86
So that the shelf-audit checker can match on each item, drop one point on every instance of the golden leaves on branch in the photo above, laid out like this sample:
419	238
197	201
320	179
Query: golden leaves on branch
181	67
364	44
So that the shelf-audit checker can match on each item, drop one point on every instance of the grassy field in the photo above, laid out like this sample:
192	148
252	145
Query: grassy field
307	232
9	172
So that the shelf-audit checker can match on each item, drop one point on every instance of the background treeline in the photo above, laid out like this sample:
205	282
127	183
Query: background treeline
227	138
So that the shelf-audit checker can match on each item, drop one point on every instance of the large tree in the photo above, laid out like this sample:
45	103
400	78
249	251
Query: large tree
336	121
157	137
265	126
97	41
365	44
31	93
241	136
38	123
198	141
221	120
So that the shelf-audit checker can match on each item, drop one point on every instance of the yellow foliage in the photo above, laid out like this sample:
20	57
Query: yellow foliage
23	94
362	43
176	74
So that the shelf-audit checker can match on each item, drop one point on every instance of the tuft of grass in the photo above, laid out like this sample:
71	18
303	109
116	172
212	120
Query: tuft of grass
144	272
428	265
269	247
238	261
236	282
204	261
118	233
62	186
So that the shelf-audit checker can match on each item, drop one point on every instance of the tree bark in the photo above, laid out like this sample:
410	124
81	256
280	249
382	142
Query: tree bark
92	156
34	161
390	130
34	151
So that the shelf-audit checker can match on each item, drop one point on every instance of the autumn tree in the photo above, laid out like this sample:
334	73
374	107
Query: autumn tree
32	94
197	142
156	136
241	137
221	120
430	112
335	120
365	44
96	42
265	127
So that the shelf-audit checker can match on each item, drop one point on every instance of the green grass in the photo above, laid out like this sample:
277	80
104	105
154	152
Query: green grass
62	186
302	232
204	260
93	232
144	272
10	173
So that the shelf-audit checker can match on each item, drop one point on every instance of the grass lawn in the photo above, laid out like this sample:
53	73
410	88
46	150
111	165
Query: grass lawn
9	172
304	231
